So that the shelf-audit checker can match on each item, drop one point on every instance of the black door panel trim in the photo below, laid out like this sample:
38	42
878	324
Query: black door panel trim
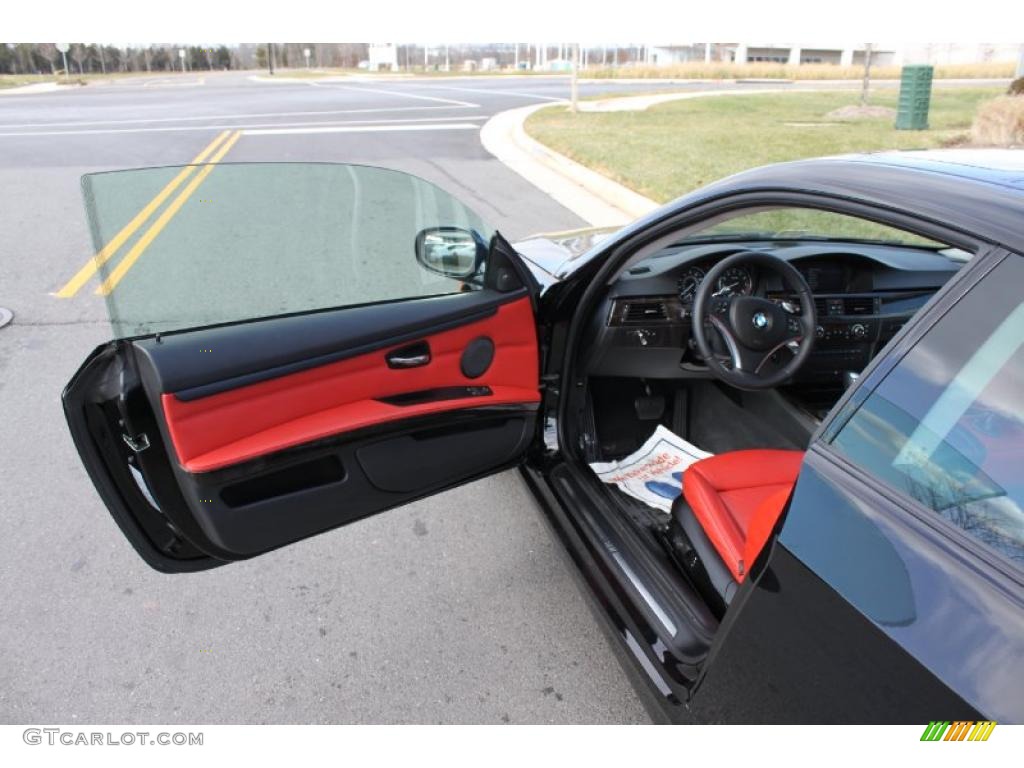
435	395
266	349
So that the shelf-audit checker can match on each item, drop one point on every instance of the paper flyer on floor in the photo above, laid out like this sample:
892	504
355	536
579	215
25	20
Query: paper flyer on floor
654	473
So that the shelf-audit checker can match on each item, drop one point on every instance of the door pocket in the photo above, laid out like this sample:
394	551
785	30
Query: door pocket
432	457
298	477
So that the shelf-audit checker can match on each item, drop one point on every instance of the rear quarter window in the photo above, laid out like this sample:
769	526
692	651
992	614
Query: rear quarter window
946	425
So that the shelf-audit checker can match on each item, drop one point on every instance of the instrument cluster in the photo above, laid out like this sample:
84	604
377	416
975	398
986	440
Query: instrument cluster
735	281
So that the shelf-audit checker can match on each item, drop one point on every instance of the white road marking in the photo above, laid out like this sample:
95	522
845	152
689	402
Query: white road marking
406	94
169	83
322	123
497	92
361	129
142	120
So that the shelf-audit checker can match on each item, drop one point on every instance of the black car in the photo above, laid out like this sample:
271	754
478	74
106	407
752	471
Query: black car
844	335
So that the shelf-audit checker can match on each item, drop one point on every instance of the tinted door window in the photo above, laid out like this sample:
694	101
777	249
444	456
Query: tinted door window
240	241
946	425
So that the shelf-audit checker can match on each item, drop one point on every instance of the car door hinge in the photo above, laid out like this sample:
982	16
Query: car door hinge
127	406
549	381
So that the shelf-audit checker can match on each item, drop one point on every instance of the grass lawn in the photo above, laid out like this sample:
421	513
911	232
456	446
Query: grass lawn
13	81
674	148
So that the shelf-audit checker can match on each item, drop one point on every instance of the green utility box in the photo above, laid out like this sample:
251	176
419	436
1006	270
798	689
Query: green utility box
915	97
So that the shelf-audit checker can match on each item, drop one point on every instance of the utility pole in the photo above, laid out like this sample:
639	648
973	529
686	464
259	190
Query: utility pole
867	75
575	71
270	57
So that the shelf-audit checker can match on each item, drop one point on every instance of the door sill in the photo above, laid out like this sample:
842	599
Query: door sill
674	622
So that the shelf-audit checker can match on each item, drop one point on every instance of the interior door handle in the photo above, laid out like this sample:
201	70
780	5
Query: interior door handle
412	356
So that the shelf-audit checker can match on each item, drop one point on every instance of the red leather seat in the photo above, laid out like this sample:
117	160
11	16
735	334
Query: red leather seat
737	498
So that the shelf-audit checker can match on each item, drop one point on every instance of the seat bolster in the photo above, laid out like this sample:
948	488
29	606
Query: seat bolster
715	519
750	468
763	521
718	574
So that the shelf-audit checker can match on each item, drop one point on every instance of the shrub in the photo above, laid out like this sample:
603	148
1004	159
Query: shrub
999	122
1016	87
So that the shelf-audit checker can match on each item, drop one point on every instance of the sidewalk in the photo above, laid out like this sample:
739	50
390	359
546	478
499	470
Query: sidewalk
23	90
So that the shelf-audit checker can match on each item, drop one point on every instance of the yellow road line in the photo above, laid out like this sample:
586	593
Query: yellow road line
92	265
157	226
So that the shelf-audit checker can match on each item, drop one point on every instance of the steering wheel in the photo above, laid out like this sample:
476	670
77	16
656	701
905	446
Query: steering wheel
753	328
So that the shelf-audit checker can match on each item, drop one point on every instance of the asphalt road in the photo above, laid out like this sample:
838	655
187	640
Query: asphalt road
460	608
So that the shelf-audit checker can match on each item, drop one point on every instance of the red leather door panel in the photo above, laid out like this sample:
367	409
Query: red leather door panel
230	427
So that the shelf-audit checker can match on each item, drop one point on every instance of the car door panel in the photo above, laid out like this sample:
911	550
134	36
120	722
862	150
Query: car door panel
242	423
263	433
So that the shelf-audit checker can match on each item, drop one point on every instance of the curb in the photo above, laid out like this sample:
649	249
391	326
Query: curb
596	199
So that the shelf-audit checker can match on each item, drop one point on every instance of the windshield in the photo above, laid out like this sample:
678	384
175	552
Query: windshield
240	241
793	223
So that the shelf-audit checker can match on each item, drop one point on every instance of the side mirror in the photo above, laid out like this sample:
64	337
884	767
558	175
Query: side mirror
451	251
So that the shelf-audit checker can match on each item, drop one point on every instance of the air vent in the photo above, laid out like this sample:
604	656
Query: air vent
644	312
820	307
859	305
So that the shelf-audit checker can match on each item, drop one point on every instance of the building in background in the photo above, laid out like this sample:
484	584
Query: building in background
825	52
382	56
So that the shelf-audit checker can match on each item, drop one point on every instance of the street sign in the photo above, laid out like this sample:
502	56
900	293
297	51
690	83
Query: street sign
64	48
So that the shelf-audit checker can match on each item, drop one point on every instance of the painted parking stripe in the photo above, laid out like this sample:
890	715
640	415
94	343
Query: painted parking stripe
361	129
100	258
157	226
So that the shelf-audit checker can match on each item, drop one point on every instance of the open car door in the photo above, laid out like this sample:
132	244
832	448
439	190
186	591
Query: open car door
297	346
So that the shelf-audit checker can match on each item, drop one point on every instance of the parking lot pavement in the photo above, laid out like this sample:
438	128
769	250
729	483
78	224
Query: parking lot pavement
459	608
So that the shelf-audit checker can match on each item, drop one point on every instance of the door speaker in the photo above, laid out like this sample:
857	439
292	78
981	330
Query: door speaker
477	357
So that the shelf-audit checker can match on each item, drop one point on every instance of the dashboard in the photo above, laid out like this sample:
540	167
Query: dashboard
863	294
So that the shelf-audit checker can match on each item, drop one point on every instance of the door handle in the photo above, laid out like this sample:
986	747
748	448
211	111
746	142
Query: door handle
412	356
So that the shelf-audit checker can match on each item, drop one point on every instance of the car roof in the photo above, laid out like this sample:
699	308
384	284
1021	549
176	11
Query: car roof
977	191
1004	167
